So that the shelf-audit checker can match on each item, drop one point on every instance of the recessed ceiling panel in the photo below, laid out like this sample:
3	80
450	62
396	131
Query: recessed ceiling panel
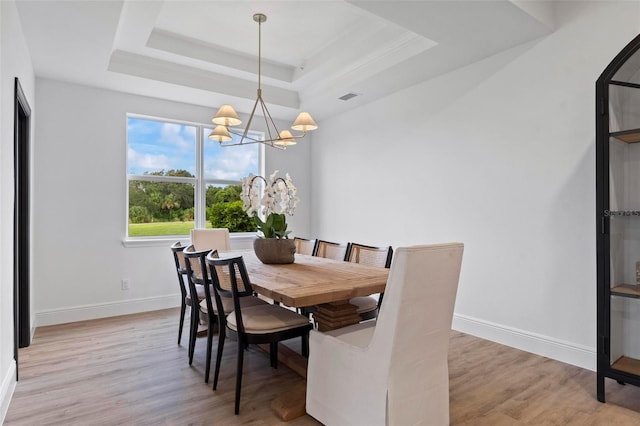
294	30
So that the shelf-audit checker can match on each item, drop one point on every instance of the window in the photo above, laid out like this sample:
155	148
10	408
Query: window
178	179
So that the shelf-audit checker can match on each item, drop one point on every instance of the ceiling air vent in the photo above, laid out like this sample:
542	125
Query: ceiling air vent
347	96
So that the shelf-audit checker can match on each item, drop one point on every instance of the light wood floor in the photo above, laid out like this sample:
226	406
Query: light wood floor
129	370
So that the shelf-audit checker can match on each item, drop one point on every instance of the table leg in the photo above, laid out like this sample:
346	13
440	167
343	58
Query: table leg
330	316
290	404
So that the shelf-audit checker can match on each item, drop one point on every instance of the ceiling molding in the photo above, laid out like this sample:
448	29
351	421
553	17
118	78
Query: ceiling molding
169	72
220	56
391	51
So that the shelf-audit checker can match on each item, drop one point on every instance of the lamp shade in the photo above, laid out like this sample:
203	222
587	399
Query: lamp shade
220	134
285	139
227	116
304	122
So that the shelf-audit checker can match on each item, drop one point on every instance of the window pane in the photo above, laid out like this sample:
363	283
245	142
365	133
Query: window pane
224	209
160	208
156	146
229	163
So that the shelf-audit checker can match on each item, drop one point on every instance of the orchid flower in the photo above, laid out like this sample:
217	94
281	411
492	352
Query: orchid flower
278	197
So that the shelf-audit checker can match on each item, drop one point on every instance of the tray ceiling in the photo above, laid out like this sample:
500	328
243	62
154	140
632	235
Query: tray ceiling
314	52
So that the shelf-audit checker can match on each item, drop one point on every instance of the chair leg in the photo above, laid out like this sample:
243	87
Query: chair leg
305	311
207	369
239	374
183	308
221	337
193	333
305	345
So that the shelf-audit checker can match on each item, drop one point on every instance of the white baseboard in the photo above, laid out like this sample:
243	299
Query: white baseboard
6	390
104	310
567	352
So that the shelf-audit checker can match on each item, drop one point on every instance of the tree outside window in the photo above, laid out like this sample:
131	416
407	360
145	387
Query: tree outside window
178	179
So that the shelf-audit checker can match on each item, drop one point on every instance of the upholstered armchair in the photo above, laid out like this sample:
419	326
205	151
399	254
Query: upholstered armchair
392	371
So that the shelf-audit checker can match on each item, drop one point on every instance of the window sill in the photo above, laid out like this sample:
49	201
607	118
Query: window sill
239	240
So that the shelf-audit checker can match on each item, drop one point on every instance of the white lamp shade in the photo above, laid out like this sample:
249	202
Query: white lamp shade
220	134
285	139
227	116
304	123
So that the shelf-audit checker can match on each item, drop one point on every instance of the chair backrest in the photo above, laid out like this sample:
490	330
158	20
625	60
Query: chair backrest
178	257
329	250
214	238
230	279
413	329
369	255
305	246
195	262
181	268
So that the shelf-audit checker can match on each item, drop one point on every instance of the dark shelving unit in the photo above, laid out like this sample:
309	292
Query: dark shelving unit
618	219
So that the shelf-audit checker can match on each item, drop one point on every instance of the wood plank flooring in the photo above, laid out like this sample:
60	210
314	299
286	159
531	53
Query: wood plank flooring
129	370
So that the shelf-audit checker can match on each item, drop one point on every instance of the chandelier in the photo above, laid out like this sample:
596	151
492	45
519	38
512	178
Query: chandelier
227	117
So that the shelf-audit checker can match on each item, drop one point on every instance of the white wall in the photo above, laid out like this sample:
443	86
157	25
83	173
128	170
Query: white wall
499	155
80	204
14	62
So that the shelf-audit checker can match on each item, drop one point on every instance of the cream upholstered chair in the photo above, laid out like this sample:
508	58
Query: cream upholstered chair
392	371
213	238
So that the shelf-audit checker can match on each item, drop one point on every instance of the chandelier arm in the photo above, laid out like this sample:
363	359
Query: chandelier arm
253	111
225	144
300	136
267	119
266	115
248	138
251	141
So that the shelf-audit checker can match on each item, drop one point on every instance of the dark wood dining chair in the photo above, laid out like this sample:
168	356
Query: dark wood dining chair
328	250
259	324
197	277
198	274
368	306
185	299
305	246
331	250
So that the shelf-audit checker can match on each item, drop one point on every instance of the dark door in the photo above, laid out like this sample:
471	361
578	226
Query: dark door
21	298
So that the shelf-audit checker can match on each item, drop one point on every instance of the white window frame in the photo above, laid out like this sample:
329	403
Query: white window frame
199	182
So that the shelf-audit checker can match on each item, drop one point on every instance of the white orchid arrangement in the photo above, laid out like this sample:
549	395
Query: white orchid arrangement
277	199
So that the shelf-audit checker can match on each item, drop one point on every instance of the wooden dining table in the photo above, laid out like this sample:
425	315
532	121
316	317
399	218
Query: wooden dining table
311	281
315	281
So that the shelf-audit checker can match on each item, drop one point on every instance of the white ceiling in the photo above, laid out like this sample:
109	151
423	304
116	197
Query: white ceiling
205	52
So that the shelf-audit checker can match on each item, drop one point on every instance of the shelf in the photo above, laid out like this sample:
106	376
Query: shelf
627	136
625	84
626	290
627	365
